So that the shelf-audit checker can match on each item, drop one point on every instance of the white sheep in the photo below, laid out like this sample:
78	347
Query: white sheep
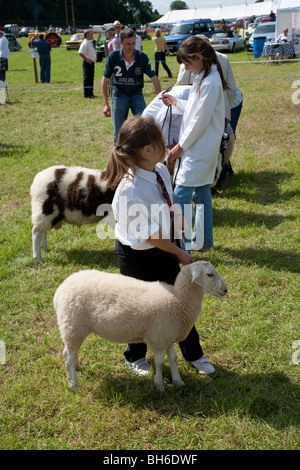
127	310
65	194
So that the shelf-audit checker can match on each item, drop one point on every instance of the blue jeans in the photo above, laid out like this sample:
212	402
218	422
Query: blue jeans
45	66
184	195
121	104
235	115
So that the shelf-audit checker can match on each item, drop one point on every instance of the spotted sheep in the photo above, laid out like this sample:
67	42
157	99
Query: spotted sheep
65	194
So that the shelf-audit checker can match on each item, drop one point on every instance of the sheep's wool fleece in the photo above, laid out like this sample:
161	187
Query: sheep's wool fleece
121	309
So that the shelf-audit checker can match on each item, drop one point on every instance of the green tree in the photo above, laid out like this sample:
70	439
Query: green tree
178	5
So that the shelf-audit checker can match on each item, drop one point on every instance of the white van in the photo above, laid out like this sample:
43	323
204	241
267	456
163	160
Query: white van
263	30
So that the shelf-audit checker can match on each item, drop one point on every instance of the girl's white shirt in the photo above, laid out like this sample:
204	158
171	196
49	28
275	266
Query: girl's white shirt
139	208
201	130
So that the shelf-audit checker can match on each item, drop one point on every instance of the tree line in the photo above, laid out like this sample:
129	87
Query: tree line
78	13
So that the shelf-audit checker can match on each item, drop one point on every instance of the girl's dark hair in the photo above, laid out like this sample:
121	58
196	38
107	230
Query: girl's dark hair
194	46
134	134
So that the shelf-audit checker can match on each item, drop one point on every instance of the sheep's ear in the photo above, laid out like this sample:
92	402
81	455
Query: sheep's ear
194	269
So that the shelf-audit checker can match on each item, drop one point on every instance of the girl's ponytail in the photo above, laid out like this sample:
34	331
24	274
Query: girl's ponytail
134	135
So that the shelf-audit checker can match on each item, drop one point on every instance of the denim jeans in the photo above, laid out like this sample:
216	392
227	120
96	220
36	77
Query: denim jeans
45	66
235	115
121	104
199	195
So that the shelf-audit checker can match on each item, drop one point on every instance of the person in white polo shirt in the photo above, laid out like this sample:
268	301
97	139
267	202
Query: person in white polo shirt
88	54
4	54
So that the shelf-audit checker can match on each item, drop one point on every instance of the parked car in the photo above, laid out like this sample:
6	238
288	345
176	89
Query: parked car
25	30
181	30
263	30
13	44
227	41
75	42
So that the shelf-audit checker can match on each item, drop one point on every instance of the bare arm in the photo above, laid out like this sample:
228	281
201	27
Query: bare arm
156	84
166	245
104	91
89	61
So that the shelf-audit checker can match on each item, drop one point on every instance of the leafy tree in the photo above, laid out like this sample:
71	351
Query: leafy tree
178	5
46	12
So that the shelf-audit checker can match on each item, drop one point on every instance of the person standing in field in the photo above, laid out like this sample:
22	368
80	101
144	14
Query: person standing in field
43	47
88	54
126	68
161	48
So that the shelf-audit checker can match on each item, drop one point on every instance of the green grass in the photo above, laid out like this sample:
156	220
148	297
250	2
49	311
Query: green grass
252	402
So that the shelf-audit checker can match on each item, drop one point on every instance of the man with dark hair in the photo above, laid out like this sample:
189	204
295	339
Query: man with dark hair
43	47
88	54
126	68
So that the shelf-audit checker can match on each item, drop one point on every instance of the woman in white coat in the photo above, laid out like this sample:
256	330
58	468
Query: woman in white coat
200	133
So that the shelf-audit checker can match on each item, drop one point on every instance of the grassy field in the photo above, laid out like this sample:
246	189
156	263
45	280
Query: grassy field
252	402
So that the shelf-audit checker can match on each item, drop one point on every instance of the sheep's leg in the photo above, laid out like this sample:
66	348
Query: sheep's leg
36	244
71	361
172	356
159	358
44	243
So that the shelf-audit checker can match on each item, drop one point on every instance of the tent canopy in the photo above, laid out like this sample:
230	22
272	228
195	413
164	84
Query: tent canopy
218	13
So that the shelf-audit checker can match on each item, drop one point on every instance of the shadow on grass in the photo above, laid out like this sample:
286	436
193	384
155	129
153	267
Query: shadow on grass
261	187
268	397
288	261
241	218
8	150
90	259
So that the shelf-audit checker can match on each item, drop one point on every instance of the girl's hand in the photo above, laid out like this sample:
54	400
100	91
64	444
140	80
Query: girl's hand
175	153
168	99
185	258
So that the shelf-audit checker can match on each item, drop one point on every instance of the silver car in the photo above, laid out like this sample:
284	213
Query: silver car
265	30
227	41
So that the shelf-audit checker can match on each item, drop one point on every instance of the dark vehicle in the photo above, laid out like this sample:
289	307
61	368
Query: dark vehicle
182	30
100	49
25	30
13	44
143	34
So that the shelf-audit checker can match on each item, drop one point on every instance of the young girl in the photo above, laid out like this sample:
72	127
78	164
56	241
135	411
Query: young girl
201	129
143	246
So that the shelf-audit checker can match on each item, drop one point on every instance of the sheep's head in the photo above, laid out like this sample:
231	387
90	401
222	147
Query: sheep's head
205	275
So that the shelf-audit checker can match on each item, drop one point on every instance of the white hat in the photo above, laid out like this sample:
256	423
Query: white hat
117	23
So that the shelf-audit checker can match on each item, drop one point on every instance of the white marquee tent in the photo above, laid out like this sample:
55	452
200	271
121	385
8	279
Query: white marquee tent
218	13
288	16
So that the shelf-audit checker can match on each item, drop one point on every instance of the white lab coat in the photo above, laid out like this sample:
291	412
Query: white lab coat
187	77
201	130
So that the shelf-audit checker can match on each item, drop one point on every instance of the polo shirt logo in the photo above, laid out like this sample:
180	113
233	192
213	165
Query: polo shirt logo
138	70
